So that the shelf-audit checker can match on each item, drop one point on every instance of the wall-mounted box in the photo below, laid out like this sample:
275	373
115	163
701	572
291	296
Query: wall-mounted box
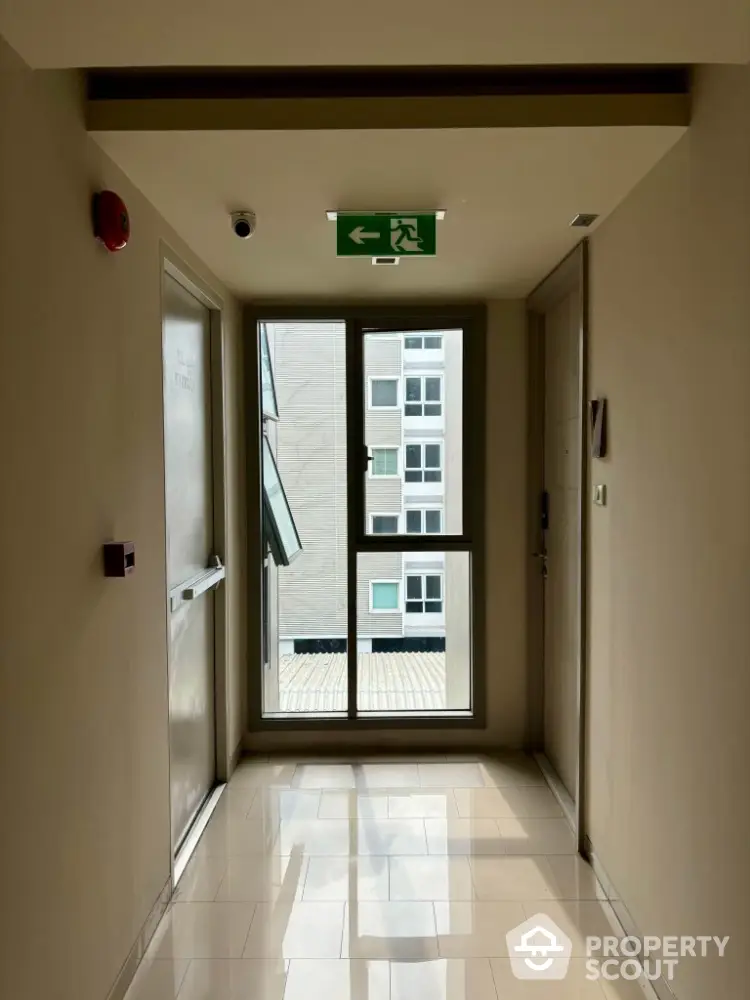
119	558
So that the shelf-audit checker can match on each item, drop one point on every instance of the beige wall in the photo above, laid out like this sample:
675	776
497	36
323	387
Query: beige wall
506	559
669	806
85	845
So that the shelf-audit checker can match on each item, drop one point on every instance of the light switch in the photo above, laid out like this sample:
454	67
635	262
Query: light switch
600	495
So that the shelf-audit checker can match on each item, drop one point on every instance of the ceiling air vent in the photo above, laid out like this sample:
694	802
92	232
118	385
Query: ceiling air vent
584	220
385	261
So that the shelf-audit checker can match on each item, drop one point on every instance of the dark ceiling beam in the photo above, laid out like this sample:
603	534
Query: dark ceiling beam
454	97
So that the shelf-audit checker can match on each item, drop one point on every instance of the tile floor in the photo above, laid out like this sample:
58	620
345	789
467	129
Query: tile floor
376	881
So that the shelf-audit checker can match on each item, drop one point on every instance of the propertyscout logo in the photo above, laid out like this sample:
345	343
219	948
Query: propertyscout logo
539	949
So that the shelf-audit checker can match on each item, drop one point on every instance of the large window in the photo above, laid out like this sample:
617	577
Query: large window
424	396
384	393
424	522
424	463
384	462
428	343
384	595
424	594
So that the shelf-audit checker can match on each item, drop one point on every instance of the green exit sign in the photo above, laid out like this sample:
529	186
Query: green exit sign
386	234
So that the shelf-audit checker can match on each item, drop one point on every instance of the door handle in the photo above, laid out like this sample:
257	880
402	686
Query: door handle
205	581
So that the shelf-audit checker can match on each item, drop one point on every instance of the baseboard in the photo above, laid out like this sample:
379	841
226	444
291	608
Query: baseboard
557	788
658	989
130	965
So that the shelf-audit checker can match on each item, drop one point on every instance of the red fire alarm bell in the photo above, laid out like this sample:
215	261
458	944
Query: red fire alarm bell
111	220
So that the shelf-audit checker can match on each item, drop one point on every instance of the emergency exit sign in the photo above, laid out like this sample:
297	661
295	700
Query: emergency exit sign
386	234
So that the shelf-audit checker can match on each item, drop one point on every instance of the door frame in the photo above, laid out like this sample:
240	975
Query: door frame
173	266
569	276
472	318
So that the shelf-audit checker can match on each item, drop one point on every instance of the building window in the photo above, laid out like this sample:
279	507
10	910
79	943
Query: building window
384	595
383	393
424	396
385	524
427	522
384	462
424	463
432	343
424	594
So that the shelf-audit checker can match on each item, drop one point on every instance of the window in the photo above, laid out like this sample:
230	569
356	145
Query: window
424	594
385	524
384	462
278	522
383	393
268	387
424	463
424	396
433	343
428	522
384	595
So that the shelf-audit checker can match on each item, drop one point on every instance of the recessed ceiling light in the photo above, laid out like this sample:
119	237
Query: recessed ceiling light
385	261
583	220
439	215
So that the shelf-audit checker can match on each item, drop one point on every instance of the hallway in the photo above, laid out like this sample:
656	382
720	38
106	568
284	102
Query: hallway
388	879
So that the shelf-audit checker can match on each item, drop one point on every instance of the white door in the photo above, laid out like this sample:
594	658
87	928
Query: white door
189	506
562	586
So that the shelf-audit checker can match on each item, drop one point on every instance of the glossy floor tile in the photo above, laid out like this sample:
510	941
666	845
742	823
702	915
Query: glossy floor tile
235	979
464	836
353	805
443	979
512	878
536	836
422	804
302	929
203	930
507	803
575	986
431	878
341	879
379	879
476	929
284	803
158	979
390	930
338	980
268	878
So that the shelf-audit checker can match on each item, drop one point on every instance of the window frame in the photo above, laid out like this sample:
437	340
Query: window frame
422	575
399	393
422	511
397	516
423	443
371	463
423	401
399	598
423	337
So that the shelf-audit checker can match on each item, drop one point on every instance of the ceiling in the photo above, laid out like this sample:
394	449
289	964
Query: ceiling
50	33
509	196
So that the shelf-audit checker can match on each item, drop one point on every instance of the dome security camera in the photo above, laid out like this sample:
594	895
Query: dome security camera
244	224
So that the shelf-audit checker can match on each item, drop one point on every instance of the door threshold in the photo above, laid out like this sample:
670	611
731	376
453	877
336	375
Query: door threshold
189	844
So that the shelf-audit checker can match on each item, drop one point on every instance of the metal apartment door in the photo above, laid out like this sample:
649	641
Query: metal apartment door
562	585
192	571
